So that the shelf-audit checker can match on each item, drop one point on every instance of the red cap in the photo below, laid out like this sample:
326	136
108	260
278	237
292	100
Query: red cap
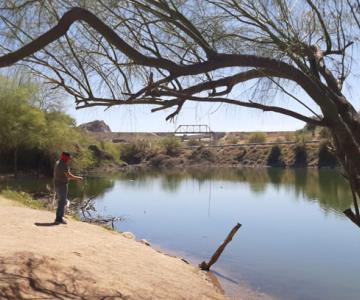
65	156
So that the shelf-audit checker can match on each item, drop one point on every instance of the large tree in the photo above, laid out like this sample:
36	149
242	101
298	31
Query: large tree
169	52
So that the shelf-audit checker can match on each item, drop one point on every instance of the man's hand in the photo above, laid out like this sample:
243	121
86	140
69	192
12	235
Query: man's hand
72	176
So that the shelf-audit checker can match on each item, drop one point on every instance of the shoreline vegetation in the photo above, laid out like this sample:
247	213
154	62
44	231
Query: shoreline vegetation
35	131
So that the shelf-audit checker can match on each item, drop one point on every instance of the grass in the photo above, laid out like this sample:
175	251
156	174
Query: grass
23	198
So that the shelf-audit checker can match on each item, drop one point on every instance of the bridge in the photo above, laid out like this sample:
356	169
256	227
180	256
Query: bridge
199	132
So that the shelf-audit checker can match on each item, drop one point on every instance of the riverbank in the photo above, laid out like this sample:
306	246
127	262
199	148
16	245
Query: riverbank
312	155
84	261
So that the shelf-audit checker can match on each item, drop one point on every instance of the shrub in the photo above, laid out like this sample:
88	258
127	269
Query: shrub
171	145
135	152
275	158
203	154
232	140
193	142
300	156
112	149
326	157
159	160
257	137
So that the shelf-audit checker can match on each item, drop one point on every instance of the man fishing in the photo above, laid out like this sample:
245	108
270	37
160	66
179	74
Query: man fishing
62	175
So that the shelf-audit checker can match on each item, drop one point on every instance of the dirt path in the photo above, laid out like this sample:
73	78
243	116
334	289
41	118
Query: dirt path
83	261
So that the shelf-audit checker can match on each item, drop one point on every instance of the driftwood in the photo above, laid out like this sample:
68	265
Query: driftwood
353	217
206	266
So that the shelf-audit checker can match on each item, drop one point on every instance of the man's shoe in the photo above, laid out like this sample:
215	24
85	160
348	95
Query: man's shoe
62	221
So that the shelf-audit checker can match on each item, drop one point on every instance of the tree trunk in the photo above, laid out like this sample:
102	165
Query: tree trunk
16	162
348	153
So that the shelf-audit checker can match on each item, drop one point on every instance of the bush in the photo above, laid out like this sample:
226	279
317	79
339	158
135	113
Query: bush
275	158
158	161
257	137
193	143
112	149
135	152
300	156
203	154
232	140
171	145
326	157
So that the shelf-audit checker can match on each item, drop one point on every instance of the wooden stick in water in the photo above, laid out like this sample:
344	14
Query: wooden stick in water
206	266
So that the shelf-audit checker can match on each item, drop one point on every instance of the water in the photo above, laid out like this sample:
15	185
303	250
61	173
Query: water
294	242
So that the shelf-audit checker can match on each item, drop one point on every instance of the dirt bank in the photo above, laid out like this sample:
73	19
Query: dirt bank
83	261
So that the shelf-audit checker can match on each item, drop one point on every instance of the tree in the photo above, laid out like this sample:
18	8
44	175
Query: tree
21	124
169	52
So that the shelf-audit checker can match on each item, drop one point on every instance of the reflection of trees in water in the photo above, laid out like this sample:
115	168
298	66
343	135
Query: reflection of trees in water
29	185
91	187
326	187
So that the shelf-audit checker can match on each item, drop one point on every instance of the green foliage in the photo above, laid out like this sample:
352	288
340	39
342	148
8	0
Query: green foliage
135	152
112	149
23	198
25	126
257	137
171	145
22	125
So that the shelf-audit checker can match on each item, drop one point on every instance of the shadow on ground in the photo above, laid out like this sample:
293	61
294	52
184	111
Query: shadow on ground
25	276
45	224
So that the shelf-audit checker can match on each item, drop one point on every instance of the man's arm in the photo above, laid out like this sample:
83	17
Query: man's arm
71	176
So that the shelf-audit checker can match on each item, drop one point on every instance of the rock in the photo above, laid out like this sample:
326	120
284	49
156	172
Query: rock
96	126
129	235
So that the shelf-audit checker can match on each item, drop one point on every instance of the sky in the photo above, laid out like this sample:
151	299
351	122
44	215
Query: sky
219	118
223	118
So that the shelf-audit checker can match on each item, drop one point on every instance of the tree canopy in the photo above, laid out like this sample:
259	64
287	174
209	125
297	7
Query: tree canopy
168	52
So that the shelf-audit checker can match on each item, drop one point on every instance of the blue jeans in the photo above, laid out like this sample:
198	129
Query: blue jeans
61	194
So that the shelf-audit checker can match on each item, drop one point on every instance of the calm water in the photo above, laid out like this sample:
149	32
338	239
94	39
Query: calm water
294	242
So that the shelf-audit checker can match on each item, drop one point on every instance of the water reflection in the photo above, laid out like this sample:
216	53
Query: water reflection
327	187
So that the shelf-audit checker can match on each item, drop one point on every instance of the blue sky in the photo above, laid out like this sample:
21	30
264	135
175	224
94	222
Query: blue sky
226	118
223	118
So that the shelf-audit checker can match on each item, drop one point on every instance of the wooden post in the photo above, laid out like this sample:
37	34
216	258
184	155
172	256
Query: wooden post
206	266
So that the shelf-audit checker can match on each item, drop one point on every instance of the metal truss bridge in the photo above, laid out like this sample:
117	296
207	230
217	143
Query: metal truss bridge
201	131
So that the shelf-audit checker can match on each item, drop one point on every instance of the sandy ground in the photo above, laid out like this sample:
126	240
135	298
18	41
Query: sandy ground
84	261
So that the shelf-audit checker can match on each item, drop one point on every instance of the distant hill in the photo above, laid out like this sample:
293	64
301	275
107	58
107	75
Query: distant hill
96	126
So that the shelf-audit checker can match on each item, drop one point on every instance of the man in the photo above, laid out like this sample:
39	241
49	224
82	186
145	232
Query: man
62	175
